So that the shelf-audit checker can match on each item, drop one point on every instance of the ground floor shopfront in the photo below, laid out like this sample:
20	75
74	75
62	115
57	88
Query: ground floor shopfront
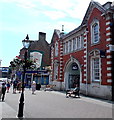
40	77
74	73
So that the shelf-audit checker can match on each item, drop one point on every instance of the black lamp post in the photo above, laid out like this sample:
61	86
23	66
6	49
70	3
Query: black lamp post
26	44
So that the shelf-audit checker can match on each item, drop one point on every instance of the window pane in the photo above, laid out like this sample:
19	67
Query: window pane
95	69
95	30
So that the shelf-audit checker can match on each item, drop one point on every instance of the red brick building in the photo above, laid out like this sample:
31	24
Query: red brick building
83	56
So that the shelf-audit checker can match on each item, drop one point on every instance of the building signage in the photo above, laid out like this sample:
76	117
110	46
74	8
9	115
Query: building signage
74	67
36	57
4	69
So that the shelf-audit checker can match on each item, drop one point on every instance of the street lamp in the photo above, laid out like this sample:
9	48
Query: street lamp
26	44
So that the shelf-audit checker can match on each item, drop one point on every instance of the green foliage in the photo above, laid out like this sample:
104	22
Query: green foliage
18	64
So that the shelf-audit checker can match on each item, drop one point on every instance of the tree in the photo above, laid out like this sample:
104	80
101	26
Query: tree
18	64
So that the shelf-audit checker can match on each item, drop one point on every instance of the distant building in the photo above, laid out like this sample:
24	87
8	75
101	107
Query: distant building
39	52
0	62
4	72
83	56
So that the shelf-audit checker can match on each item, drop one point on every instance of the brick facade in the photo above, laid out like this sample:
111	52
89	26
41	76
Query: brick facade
83	56
42	46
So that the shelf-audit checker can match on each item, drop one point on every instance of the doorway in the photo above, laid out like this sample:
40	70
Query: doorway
72	75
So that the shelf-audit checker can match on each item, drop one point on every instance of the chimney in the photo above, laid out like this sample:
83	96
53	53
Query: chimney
42	36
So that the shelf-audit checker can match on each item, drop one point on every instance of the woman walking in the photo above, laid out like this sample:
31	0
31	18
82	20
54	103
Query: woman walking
33	87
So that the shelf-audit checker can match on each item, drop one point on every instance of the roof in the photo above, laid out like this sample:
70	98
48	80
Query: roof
92	5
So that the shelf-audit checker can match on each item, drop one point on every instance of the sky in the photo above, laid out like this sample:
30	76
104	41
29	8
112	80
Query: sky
21	17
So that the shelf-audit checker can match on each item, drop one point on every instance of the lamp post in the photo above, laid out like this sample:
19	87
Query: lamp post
26	44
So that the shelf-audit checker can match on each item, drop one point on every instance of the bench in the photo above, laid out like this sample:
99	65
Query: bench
71	93
49	87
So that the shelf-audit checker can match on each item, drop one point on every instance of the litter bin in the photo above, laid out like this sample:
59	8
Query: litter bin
38	86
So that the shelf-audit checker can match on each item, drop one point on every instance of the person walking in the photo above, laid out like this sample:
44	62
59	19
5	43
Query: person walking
0	91
3	91
29	84
14	86
19	86
33	87
8	87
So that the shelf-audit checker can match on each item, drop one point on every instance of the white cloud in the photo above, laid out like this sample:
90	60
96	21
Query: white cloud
25	4
55	14
58	4
56	9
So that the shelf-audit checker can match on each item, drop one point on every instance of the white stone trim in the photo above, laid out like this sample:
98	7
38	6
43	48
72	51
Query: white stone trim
85	51
85	33
84	74
108	39
109	80
85	61
109	68
108	51
85	65
84	79
109	56
107	23
61	48
85	42
109	62
109	33
108	28
109	74
61	75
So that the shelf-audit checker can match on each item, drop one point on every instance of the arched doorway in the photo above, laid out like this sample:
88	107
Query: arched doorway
72	74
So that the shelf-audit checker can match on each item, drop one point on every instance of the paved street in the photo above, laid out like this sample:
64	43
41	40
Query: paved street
53	104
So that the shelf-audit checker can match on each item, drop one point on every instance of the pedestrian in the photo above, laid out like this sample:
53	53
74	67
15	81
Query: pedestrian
8	87
19	86
3	91
38	86
74	91
29	84
33	87
14	86
0	91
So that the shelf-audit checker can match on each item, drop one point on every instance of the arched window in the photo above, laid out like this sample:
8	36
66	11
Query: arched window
56	49
95	32
56	70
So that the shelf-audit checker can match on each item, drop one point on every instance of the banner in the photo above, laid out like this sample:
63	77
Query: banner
36	57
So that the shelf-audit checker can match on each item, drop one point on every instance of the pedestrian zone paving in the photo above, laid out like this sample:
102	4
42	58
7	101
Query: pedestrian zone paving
6	111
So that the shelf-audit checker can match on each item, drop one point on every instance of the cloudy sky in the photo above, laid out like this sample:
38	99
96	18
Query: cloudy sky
21	17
